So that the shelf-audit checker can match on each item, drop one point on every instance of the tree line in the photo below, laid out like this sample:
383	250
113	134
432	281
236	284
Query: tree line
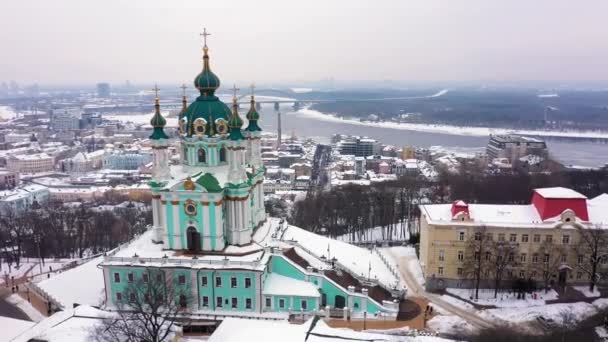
352	209
60	231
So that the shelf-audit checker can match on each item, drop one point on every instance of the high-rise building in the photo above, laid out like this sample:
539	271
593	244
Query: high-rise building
103	89
514	147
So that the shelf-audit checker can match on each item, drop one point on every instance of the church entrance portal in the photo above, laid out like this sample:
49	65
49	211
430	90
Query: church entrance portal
193	239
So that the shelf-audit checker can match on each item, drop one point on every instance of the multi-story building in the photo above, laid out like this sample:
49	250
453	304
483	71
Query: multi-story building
65	119
125	160
356	146
514	147
554	220
31	163
8	179
19	199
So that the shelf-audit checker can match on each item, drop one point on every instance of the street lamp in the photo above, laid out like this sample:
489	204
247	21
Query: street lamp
37	239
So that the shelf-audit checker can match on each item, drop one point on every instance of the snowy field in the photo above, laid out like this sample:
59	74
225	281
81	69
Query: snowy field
585	291
449	324
504	299
556	312
453	130
376	234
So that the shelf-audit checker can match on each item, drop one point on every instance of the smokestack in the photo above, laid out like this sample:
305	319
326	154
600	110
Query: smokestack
279	143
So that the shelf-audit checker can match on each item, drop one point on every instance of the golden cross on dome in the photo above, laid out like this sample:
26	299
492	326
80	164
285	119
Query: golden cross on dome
252	86
184	89
204	35
156	89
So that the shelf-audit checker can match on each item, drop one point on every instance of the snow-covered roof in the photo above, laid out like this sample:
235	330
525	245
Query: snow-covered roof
12	327
70	325
559	193
237	329
513	215
276	284
68	288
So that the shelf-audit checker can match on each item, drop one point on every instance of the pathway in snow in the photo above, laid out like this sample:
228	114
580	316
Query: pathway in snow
415	289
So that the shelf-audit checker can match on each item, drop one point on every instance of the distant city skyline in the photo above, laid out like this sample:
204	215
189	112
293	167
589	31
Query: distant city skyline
74	42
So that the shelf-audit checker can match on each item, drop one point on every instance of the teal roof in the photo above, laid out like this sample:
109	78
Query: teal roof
208	108
209	182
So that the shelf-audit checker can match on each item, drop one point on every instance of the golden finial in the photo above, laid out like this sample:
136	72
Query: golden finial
205	48
183	87
252	86
156	89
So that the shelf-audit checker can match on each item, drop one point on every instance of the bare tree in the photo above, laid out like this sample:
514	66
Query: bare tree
502	259
476	256
151	307
592	248
551	259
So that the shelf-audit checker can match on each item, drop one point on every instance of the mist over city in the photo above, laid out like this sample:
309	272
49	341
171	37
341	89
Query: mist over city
303	171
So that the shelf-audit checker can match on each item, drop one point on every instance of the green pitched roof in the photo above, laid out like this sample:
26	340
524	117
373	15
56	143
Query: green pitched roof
209	182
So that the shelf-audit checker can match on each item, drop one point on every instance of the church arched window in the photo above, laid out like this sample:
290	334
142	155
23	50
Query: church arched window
185	153
202	155
222	154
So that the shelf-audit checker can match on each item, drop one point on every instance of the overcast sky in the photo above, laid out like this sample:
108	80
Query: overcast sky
75	41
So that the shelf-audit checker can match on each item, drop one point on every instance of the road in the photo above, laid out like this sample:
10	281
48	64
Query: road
414	289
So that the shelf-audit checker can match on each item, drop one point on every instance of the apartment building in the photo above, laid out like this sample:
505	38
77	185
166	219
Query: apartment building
555	218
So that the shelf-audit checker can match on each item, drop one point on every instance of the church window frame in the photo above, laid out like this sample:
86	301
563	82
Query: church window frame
281	303
247	282
223	154
117	277
145	278
248	303
204	281
181	279
218	281
119	297
130	277
304	304
268	302
233	282
205	301
219	302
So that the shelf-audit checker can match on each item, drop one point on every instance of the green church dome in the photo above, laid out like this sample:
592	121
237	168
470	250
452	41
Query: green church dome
253	116
207	106
158	122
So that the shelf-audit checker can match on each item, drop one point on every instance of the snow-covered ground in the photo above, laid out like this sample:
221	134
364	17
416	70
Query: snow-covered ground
556	312
25	306
82	284
453	130
504	299
376	234
413	263
32	267
585	291
449	324
6	113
